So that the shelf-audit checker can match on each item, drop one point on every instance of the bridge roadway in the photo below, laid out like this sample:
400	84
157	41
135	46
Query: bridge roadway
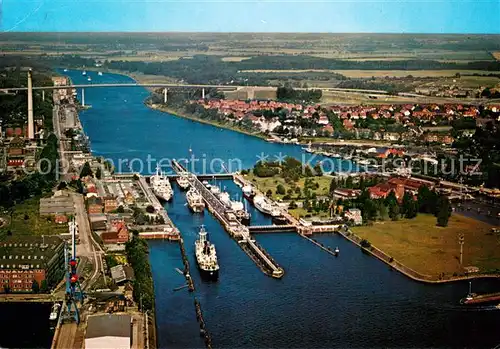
237	230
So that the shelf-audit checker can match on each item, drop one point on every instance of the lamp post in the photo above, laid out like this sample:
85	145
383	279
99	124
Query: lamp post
461	242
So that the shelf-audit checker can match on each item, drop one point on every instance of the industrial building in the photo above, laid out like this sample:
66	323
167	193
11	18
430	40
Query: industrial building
109	331
28	258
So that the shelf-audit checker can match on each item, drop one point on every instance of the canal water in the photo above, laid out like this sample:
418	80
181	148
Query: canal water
25	325
348	301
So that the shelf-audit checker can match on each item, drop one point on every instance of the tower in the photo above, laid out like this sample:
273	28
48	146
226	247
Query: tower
31	125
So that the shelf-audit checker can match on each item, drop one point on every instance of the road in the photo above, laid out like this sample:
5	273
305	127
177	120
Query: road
87	247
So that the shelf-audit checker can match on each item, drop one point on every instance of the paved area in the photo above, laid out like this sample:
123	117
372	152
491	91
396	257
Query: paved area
66	336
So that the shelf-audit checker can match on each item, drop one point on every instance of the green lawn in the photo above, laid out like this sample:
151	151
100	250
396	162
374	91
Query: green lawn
421	245
270	183
26	220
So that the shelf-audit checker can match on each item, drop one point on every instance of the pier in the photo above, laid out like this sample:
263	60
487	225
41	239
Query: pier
234	228
167	231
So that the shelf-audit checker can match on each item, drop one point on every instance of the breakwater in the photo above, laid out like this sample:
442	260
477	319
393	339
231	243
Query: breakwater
185	261
203	327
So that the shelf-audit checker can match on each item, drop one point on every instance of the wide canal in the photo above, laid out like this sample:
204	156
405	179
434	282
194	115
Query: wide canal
350	301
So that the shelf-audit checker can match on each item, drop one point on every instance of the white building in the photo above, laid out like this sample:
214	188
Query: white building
109	331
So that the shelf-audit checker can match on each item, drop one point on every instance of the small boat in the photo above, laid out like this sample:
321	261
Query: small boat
54	313
84	72
89	79
337	251
65	70
100	73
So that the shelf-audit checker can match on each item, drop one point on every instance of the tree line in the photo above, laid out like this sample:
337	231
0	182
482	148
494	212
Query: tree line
138	256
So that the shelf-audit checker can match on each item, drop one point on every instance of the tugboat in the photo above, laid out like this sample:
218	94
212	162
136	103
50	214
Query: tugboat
195	200
206	256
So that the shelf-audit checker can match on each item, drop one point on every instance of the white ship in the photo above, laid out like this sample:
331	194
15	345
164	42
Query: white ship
195	200
161	185
263	205
183	181
206	256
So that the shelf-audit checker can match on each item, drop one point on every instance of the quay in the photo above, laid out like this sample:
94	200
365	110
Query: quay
235	229
167	231
34	298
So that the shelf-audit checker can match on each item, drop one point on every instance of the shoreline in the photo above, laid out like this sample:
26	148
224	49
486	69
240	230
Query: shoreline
178	114
408	272
150	323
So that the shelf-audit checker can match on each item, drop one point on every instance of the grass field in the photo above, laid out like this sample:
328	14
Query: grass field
270	183
429	249
26	220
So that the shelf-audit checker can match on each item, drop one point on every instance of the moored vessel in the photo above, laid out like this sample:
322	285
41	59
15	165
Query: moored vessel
183	181
195	200
473	298
206	256
262	204
161	185
248	192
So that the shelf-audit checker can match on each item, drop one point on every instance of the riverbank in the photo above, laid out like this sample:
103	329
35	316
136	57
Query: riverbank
427	253
179	114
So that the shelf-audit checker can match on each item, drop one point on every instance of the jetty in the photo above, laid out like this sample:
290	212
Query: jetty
233	227
166	231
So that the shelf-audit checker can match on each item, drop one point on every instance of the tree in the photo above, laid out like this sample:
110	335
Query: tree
44	288
443	211
317	169
394	211
86	170
333	185
409	209
120	209
280	189
62	185
35	288
349	182
150	209
427	200
269	193
365	243
98	173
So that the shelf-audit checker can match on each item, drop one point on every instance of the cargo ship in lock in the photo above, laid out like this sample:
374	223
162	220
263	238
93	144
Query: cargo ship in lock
195	200
206	256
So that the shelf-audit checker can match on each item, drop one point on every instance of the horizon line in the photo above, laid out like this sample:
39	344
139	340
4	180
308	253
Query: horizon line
244	32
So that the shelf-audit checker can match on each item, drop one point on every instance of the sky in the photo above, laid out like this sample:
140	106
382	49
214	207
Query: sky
337	16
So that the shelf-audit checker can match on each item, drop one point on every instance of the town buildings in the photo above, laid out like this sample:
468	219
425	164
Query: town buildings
30	258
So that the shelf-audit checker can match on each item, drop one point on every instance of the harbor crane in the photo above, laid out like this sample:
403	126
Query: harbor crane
74	294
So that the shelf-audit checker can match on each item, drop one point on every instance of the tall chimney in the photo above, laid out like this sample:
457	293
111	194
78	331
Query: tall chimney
31	125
